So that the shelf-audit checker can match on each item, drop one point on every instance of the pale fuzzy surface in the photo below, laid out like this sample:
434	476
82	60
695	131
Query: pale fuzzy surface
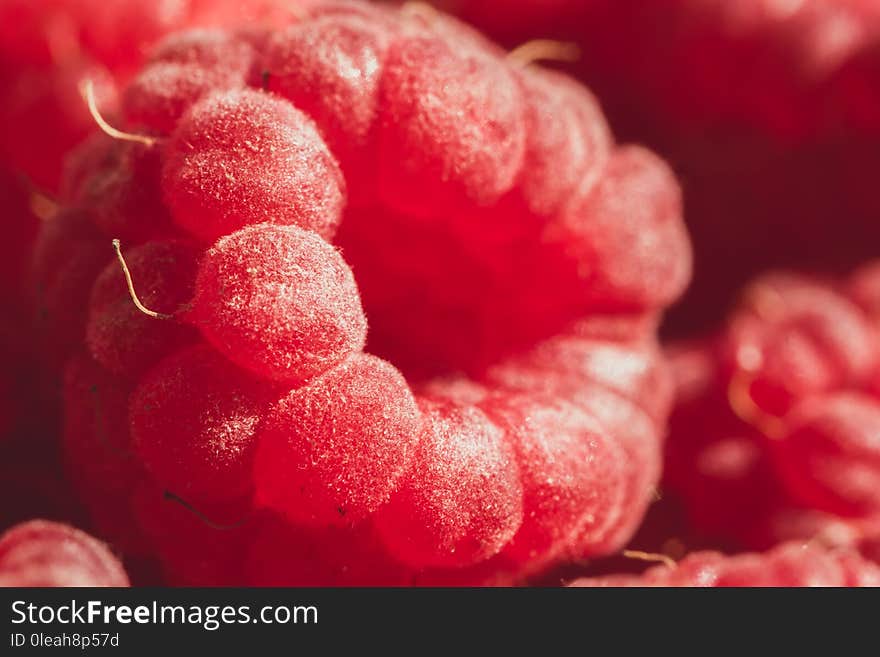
280	302
238	158
122	338
790	564
194	419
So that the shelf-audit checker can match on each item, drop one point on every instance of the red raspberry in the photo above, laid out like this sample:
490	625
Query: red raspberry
771	438
458	240
43	553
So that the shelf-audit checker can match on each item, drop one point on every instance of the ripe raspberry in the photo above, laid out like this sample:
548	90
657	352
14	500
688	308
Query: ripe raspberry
791	564
461	500
793	338
771	438
331	453
239	158
279	301
457	236
43	553
194	419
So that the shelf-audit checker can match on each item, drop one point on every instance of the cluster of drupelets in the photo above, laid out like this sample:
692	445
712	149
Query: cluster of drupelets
223	414
205	284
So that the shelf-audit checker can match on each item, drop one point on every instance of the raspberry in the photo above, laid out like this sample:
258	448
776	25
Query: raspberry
498	276
333	451
238	158
194	419
794	338
278	301
44	553
121	338
461	500
429	158
791	564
